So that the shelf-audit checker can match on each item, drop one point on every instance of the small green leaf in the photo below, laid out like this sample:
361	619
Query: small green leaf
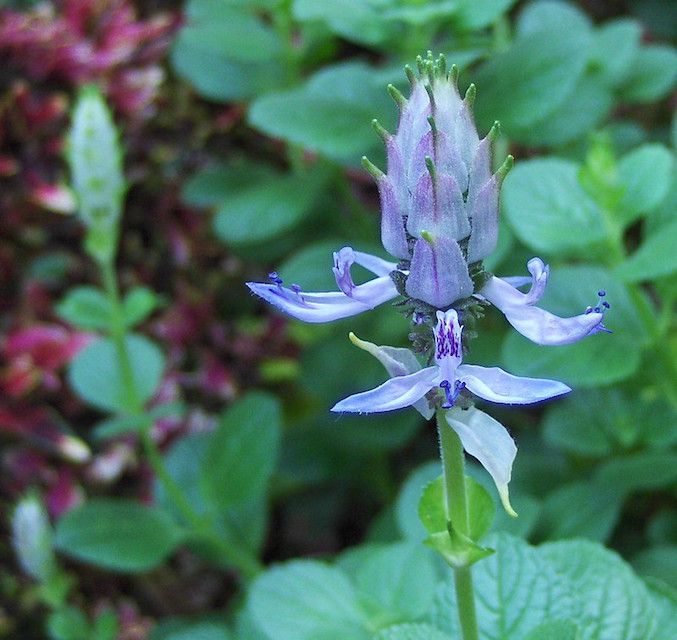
396	582
614	49
539	72
407	504
658	562
338	104
472	15
226	53
119	535
433	514
96	374
458	551
306	600
215	183
655	258
68	623
243	451
138	304
411	632
267	209
651	75
198	630
86	308
555	630
547	208
646	174
126	424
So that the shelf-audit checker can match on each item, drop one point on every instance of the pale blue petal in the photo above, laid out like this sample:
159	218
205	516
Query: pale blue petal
378	266
397	362
487	440
496	385
540	326
396	393
325	307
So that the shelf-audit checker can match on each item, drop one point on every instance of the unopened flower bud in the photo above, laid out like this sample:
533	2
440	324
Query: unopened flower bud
438	181
95	160
32	538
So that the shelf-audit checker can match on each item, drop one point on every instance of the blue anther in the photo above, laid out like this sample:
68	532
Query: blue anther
451	396
601	293
275	278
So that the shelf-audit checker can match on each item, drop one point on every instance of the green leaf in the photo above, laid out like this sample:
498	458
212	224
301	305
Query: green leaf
407	504
118	425
411	632
555	630
227	54
642	471
355	20
539	72
138	304
68	623
472	15
576	424
651	75
86	308
580	509
337	103
119	535
396	582
264	210
96	374
521	587
515	591
306	600
655	258
664	600
243	451
106	626
552	16
564	124
433	513
596	360
646	174
215	183
457	550
658	562
548	209
614	49
607	599
198	630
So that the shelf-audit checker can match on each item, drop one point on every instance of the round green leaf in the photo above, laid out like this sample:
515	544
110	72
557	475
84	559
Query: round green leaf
306	600
85	307
96	375
264	210
548	209
337	103
655	258
651	75
117	534
646	175
615	46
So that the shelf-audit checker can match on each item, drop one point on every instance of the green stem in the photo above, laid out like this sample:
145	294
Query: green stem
232	553
453	462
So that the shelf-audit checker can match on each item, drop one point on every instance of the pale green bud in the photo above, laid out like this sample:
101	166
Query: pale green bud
95	158
32	538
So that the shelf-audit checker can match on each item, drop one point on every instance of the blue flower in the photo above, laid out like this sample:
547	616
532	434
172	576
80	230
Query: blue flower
540	326
350	300
481	435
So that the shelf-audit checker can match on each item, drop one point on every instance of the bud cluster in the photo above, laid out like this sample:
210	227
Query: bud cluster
439	198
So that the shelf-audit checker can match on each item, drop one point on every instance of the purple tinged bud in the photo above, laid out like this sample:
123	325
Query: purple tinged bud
393	236
438	274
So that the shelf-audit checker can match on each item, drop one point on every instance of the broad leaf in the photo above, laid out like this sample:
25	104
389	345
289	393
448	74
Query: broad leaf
96	373
243	450
119	535
85	307
547	208
651	75
655	258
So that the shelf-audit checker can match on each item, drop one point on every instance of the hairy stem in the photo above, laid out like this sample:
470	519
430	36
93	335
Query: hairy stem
453	462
